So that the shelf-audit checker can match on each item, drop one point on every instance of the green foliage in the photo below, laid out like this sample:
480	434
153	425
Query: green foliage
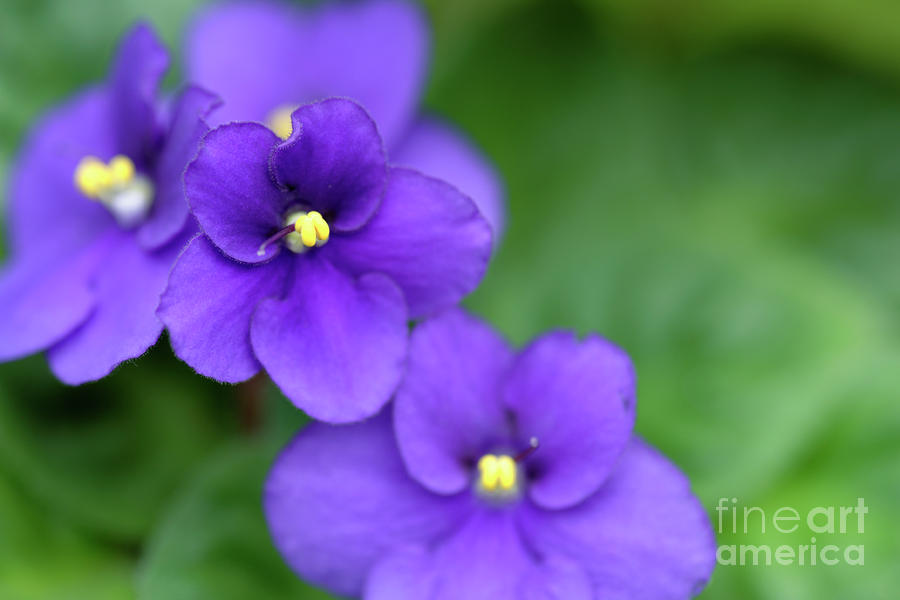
213	541
730	217
107	455
42	558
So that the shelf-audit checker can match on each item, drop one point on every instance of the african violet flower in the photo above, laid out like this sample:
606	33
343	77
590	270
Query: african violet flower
316	254
495	476
97	217
266	58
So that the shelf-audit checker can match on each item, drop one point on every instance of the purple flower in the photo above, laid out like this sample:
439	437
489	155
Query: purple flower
316	255
496	476
265	59
97	217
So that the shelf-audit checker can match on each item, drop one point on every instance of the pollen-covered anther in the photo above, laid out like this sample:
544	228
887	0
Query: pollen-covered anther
313	229
497	473
117	184
279	121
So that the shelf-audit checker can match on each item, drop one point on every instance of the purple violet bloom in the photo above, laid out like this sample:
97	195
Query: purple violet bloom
97	217
266	58
495	476
316	254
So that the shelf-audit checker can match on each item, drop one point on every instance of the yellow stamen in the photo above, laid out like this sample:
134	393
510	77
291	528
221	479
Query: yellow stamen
497	472
122	169
318	221
279	121
94	178
313	228
307	232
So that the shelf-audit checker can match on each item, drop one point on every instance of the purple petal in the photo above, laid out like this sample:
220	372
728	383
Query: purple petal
448	410
134	81
339	498
334	162
577	399
288	57
426	236
170	209
43	194
207	308
484	560
44	300
643	535
383	69
229	190
259	74
127	287
439	150
334	346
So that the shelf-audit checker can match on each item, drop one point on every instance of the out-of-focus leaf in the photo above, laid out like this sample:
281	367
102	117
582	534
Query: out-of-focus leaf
108	454
865	31
721	219
213	541
42	558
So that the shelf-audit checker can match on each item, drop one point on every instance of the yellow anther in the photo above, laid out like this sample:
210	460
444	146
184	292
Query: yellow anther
312	227
318	221
307	232
507	468
121	169
92	176
497	472
279	121
489	471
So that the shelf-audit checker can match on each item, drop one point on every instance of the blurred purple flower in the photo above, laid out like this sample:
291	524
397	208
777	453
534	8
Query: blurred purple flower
266	58
497	476
97	217
316	255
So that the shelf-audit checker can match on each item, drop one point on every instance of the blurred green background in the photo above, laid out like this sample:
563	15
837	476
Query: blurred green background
713	184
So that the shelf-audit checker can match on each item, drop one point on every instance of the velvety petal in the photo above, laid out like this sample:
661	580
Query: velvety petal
335	346
427	236
578	399
289	56
338	499
229	190
439	150
267	69
485	560
207	308
383	68
43	300
42	192
170	208
448	409
334	162
642	535
134	82
123	325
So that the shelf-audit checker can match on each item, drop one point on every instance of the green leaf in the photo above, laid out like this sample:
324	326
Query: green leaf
41	558
868	34
107	455
213	542
732	223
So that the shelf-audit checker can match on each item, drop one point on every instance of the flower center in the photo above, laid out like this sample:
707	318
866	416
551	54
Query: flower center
302	230
500	475
127	194
279	121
